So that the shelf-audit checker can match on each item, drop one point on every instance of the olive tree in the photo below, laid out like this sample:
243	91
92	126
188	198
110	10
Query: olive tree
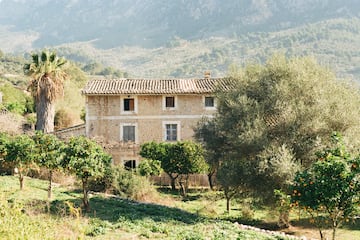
274	119
282	111
329	190
86	159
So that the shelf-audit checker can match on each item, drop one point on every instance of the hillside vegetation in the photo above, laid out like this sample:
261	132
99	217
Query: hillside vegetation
334	43
160	39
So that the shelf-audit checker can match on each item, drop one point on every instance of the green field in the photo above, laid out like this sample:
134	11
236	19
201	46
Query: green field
24	215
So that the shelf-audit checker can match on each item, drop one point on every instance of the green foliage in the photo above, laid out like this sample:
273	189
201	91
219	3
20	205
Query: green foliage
86	159
180	158
15	100
329	189
130	185
19	151
49	150
149	167
47	73
48	153
5	168
277	117
105	183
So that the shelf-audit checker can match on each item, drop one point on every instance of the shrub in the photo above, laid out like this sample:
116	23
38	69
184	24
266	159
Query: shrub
63	119
130	185
104	183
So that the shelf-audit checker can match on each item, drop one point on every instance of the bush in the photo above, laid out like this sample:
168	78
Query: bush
63	119
128	184
103	184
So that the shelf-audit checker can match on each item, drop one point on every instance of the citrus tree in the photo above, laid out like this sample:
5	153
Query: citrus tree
86	159
329	190
178	160
48	153
19	151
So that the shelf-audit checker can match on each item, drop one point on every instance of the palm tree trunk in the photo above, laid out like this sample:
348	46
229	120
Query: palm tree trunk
45	113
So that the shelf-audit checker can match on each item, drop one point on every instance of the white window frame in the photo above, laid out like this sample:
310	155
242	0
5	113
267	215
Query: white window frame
209	108
122	98
175	102
178	136
122	125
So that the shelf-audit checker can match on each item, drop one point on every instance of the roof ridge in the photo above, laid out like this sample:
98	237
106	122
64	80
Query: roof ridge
120	86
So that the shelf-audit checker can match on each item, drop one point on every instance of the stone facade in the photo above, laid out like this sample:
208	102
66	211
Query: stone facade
126	113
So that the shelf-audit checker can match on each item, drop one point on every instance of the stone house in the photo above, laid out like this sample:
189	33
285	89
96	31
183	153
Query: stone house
125	113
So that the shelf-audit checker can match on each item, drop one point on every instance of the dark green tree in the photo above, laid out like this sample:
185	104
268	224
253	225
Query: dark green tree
47	73
276	117
86	159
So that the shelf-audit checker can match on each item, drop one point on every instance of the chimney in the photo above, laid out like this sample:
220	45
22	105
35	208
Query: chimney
207	74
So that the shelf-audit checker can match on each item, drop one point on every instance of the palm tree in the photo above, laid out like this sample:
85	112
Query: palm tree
47	73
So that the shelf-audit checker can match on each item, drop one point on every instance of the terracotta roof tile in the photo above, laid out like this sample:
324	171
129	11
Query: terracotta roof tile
155	86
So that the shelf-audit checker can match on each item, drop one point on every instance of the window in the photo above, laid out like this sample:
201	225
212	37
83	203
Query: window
128	133
130	164
209	102
171	132
129	104
170	102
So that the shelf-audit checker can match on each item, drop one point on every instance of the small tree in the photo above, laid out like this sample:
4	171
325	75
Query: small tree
187	158
49	154
86	159
177	159
160	152
20	152
329	189
229	177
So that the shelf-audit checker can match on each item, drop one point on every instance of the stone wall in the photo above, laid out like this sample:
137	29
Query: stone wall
105	118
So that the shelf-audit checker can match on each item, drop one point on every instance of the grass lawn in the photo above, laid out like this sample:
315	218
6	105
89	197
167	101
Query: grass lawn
23	215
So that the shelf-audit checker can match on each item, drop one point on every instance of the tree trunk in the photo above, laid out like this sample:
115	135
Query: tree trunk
50	183
228	204
172	181
45	113
228	197
211	184
85	193
283	221
21	180
173	186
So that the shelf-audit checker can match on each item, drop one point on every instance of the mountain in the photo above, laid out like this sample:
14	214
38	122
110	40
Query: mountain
154	22
162	38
